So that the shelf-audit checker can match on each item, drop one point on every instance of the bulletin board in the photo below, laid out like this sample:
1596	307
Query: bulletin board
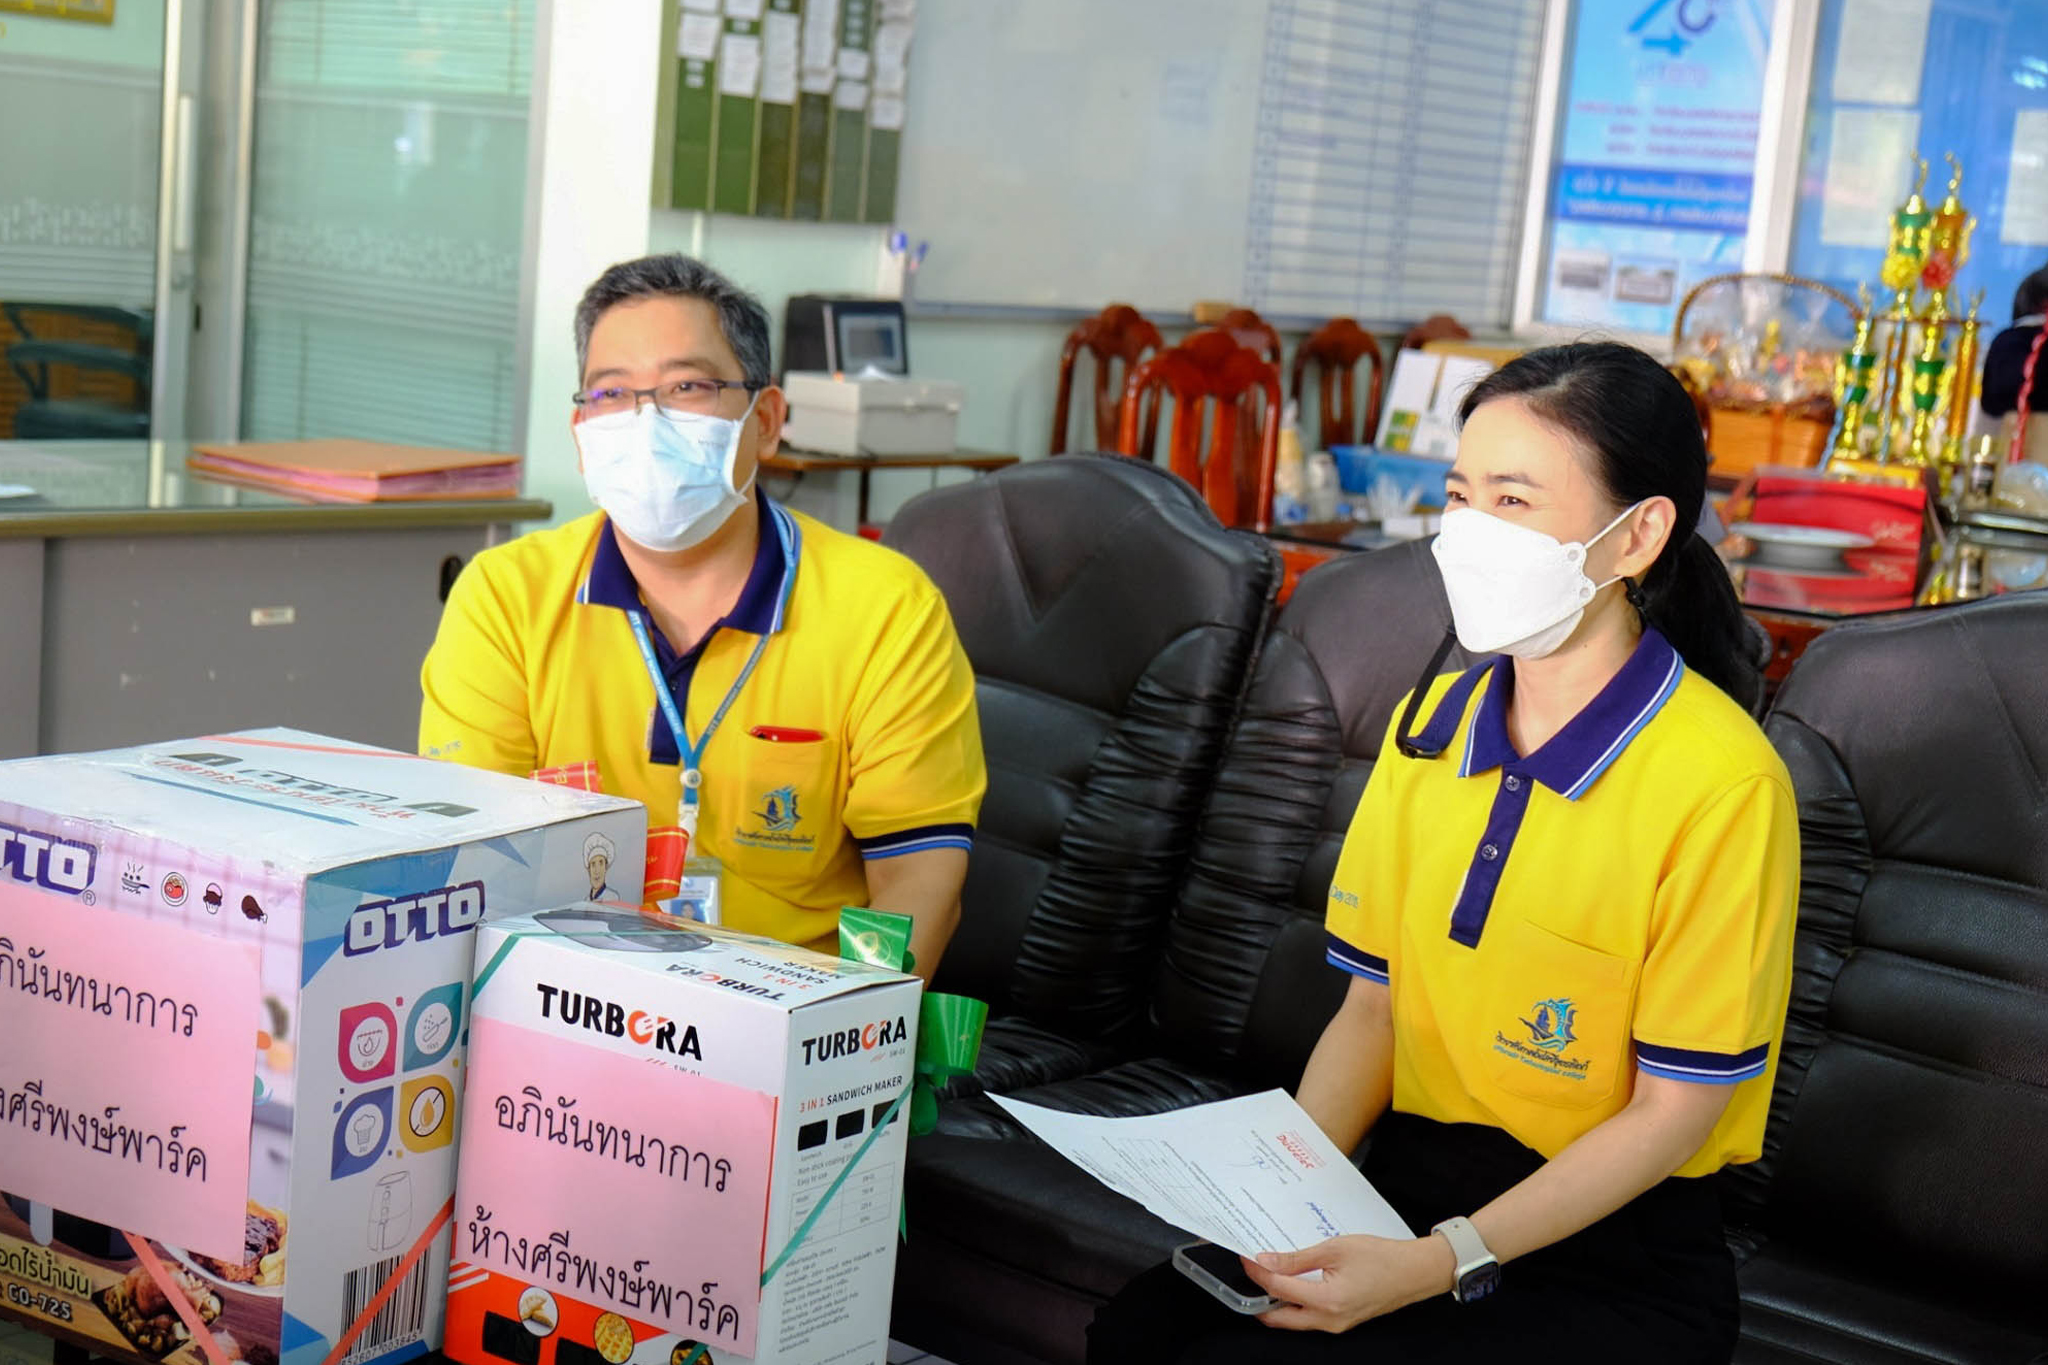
1894	76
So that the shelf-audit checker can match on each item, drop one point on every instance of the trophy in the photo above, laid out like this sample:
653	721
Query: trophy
1852	389
1961	386
1948	244
1905	254
1928	367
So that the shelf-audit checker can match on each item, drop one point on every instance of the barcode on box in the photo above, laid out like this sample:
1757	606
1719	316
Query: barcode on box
400	1322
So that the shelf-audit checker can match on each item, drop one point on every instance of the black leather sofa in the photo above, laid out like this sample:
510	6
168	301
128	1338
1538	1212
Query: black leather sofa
1193	969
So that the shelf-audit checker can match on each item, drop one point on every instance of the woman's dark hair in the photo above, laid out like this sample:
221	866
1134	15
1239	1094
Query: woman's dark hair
1641	434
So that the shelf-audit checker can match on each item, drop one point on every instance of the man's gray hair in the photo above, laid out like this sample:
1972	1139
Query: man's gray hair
741	318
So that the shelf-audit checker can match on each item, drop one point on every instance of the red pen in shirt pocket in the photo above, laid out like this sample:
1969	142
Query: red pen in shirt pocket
782	734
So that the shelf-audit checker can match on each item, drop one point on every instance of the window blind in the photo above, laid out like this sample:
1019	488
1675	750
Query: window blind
387	206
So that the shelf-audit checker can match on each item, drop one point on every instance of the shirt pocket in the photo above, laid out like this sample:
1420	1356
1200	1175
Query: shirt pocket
787	800
1559	1017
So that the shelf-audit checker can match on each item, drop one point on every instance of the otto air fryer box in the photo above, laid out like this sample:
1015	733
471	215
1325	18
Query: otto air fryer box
682	1145
234	997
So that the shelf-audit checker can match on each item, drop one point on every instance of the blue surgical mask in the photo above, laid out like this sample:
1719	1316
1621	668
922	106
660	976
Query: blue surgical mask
665	479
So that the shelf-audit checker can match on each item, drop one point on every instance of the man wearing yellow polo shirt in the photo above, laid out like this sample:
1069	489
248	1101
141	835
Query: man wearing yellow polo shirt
785	698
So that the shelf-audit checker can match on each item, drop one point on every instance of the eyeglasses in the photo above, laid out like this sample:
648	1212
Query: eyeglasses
678	396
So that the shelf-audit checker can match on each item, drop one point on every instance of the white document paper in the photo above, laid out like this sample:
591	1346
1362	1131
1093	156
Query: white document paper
2026	182
821	34
892	43
708	6
749	10
778	57
886	113
899	9
852	95
853	64
1870	166
739	65
819	81
1883	44
1252	1174
698	36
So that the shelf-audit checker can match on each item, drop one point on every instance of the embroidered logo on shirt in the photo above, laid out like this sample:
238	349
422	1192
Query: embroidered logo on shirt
778	812
777	824
1551	1029
1552	1026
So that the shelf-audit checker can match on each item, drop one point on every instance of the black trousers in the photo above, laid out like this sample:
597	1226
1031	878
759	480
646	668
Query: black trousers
1652	1282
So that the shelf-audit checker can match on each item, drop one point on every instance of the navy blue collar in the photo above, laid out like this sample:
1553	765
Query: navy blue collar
759	608
1586	747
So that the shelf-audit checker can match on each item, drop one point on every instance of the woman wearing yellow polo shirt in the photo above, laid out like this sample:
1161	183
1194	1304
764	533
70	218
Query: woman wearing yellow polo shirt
1566	904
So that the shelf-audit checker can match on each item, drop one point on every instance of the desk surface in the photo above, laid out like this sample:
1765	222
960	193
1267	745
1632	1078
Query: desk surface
129	488
790	461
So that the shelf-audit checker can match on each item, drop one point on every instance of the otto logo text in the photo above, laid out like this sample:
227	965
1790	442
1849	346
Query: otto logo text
848	1042
616	1021
386	924
44	860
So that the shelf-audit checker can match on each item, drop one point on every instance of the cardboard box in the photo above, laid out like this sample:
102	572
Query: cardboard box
872	415
1892	515
663	1113
233	995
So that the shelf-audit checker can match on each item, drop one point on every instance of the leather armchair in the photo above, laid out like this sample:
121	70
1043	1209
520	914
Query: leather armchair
1111	623
1900	1211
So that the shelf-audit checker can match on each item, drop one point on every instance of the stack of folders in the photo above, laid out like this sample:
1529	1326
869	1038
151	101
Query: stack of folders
361	471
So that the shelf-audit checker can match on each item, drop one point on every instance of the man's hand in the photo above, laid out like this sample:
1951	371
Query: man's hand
1362	1278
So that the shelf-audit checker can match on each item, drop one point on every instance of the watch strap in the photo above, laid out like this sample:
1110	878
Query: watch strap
1469	1249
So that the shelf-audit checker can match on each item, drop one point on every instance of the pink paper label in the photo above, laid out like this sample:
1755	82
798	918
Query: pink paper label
127	1069
622	1184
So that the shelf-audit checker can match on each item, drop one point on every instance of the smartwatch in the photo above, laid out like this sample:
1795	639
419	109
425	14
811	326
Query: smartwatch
1478	1271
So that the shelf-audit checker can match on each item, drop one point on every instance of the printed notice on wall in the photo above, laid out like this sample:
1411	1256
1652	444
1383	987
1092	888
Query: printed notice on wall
739	65
2026	182
1870	167
1879	51
127	1069
583	1169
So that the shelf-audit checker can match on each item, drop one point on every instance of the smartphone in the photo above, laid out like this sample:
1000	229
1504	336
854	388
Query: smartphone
1218	1270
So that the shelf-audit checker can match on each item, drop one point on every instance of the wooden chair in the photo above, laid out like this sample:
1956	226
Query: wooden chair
1235	472
1253	332
1118	334
1435	327
1335	349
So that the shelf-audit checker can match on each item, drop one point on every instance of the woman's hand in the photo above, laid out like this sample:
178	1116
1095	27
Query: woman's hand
1362	1278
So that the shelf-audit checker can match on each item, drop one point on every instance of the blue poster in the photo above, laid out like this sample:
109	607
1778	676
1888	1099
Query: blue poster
1650	189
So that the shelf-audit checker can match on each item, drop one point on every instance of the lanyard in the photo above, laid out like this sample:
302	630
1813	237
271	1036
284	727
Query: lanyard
691	756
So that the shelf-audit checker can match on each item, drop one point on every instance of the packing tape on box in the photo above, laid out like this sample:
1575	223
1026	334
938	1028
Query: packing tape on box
796	1239
175	1296
391	1283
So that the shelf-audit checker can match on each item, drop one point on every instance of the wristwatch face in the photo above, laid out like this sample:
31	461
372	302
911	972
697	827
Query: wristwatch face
1478	1282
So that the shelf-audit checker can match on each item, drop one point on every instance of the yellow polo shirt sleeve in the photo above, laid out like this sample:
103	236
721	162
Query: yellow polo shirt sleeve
1364	917
1718	971
473	683
915	771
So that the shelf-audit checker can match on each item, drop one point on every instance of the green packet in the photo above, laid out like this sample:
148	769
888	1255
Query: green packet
948	1026
880	938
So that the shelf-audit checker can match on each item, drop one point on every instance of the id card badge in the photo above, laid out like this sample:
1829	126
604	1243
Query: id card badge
696	895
